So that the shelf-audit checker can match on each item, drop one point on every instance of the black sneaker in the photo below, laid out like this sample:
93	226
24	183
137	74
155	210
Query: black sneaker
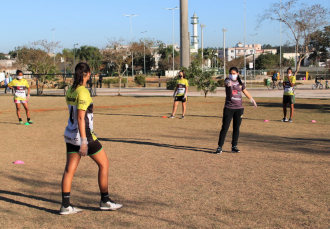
290	120
234	149
219	150
182	117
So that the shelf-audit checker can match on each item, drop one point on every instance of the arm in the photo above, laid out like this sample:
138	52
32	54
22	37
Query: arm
186	92
81	124
291	84
247	94
28	95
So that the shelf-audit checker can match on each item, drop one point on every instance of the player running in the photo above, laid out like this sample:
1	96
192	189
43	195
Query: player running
288	96
180	94
233	109
19	85
81	141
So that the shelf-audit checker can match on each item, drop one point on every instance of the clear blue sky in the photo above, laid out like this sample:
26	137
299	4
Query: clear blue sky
91	22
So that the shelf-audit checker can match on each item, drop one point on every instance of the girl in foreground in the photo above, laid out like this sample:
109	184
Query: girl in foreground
81	141
233	109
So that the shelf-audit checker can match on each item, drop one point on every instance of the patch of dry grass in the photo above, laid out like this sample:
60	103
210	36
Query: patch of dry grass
163	171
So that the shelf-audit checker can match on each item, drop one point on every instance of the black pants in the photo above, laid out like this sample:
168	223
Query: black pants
228	114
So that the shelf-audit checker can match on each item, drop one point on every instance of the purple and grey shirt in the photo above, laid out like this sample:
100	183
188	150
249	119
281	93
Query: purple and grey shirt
234	94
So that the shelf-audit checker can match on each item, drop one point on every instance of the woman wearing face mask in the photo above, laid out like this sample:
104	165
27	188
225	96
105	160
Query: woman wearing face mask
81	141
288	96
180	94
19	85
233	109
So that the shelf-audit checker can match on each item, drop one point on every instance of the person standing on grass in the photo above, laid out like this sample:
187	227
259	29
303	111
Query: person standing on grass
288	97
180	94
19	85
6	81
100	79
81	141
233	109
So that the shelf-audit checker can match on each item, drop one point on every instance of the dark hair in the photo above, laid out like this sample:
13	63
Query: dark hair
183	73
18	72
238	78
80	71
289	68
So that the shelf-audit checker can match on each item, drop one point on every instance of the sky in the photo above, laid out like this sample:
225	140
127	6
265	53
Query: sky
93	22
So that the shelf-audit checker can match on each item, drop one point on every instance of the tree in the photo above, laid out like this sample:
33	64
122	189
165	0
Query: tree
2	56
271	61
115	55
91	55
301	21
320	42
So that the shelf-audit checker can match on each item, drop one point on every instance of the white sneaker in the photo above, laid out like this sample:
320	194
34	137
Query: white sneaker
109	206
69	210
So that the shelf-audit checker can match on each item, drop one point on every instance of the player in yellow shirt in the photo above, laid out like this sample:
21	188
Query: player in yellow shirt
288	96
20	85
81	141
180	94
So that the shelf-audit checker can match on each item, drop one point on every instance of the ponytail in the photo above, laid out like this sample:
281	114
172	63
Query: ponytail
81	70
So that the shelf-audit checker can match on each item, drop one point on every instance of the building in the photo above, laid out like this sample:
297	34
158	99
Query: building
194	37
238	51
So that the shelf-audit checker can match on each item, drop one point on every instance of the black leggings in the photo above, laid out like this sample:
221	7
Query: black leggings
228	114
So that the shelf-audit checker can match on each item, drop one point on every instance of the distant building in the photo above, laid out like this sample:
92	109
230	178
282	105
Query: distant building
194	37
238	51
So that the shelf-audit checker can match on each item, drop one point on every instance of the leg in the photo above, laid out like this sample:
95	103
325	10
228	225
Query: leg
237	120
175	105
18	105
184	107
291	110
26	107
227	116
72	161
102	161
284	109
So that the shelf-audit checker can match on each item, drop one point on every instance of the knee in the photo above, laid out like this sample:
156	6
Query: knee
105	165
69	170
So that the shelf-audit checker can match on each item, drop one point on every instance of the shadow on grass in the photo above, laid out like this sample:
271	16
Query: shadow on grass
149	143
322	108
136	115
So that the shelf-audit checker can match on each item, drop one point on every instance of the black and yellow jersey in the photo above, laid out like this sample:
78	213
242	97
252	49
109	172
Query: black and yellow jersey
79	99
182	84
19	88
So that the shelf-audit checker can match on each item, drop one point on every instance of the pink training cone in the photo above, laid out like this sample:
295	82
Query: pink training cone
19	162
313	121
266	120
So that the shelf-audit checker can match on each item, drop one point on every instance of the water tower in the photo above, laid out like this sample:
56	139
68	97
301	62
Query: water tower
194	37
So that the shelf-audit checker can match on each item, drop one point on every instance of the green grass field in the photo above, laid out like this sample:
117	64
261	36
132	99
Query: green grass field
163	170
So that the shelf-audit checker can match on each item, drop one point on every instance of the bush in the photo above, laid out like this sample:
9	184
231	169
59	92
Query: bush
192	82
140	80
220	83
62	84
114	81
170	85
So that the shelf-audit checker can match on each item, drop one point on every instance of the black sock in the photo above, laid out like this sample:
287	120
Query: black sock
28	119
20	120
65	199
104	197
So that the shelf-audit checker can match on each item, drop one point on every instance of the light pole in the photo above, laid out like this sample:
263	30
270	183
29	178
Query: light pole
176	8
281	39
202	26
53	45
144	52
224	53
74	57
130	18
254	52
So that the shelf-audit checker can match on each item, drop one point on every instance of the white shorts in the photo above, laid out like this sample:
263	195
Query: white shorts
20	101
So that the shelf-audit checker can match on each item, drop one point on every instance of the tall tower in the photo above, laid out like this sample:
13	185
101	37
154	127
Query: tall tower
194	40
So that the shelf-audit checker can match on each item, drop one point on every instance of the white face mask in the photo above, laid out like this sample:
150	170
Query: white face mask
233	77
19	77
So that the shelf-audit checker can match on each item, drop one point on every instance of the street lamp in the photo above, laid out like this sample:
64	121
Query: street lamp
176	8
144	52
254	46
53	45
130	17
202	26
224	53
244	49
74	57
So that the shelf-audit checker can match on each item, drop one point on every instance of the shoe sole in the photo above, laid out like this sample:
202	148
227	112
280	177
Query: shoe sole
110	209
69	213
235	151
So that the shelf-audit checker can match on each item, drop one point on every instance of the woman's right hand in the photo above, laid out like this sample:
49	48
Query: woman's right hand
83	147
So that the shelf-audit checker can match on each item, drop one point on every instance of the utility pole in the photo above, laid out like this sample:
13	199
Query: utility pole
130	17
74	58
53	45
144	52
202	26
184	34
224	53
244	49
254	47
176	8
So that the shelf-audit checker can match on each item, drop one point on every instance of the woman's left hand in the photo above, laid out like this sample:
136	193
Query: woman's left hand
254	104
